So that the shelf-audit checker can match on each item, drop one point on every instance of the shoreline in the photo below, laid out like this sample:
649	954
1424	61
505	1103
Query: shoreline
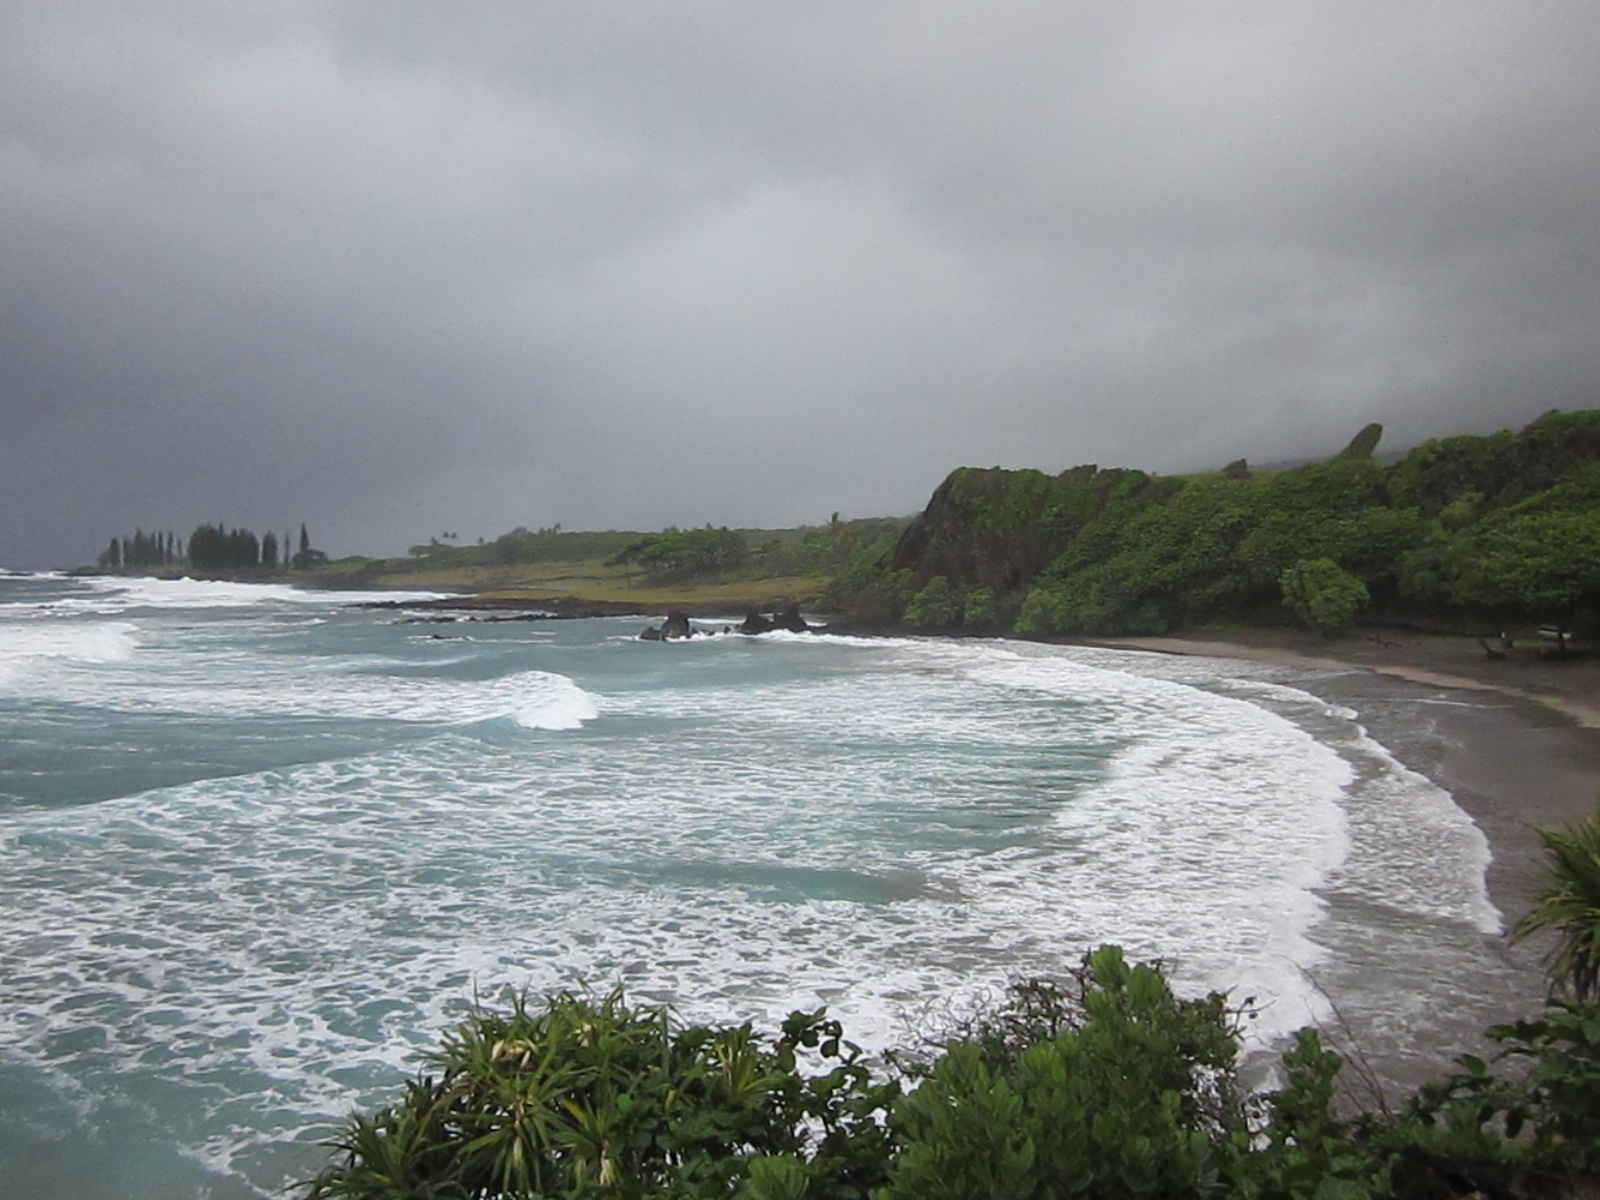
1568	687
1516	742
1514	754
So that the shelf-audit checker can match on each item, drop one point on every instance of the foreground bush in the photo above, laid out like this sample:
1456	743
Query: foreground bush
1103	1087
1130	1092
1568	905
592	1098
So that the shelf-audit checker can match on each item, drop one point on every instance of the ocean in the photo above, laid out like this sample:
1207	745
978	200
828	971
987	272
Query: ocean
261	846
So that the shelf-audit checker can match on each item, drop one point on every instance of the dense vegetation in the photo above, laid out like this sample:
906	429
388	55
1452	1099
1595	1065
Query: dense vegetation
1469	533
1465	531
725	567
212	550
1106	1086
140	550
677	555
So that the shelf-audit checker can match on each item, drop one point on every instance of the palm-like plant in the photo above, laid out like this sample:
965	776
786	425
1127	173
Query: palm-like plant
585	1096
1569	906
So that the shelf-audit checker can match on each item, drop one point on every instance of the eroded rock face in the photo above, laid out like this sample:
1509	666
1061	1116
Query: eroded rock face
786	618
791	620
675	626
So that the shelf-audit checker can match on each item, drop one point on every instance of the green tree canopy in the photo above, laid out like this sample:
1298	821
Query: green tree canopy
1323	595
685	554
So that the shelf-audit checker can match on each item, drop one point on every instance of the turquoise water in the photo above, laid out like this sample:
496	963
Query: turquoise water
260	847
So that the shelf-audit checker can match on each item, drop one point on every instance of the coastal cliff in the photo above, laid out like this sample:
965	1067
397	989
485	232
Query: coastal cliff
1470	532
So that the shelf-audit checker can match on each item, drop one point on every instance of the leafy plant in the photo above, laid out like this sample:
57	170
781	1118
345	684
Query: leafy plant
1323	595
1569	906
1104	1086
679	554
934	607
1131	1094
1525	1126
597	1098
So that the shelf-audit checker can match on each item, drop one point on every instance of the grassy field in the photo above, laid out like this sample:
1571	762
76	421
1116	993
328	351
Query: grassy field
769	568
584	579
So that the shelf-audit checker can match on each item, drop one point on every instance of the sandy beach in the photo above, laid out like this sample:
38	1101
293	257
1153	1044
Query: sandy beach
1516	741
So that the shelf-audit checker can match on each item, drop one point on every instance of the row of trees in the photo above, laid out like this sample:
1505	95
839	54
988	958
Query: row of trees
674	555
141	549
211	548
679	554
1103	1086
1499	529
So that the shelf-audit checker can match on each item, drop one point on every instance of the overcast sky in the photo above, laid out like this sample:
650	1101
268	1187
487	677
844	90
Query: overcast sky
397	267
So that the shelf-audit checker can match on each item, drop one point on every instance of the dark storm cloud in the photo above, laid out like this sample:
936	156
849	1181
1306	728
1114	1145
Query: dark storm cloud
395	268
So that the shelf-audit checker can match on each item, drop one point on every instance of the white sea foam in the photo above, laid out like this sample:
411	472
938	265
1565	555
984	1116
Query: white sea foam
1205	843
533	699
1413	848
29	649
756	826
118	594
221	682
1420	852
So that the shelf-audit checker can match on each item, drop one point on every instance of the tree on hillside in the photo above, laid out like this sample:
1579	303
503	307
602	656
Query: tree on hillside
684	554
1323	595
1149	568
1546	564
936	606
307	558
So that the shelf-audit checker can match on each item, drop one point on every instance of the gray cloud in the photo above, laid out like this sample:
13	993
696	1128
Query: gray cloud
392	268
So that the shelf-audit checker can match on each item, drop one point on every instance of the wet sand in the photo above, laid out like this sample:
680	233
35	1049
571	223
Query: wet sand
1516	740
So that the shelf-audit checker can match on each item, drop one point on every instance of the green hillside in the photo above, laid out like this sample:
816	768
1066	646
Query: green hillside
1464	532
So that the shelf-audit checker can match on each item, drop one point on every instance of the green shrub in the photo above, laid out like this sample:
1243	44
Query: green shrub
1135	1096
1569	906
936	606
597	1098
1106	1086
1323	595
1525	1126
978	609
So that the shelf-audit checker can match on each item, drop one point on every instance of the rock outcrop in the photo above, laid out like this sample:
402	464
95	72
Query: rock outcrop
676	625
787	618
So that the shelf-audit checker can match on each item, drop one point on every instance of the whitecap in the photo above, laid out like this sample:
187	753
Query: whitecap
27	649
116	593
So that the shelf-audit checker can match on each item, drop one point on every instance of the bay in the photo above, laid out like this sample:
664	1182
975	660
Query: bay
262	846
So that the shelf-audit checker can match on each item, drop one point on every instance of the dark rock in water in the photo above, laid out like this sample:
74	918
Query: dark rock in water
788	618
791	620
675	626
